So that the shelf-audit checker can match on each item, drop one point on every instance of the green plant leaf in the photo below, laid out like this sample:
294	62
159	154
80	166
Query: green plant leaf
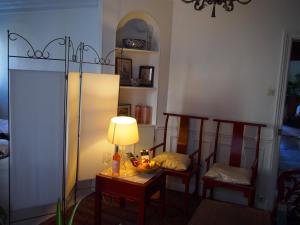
3	215
58	213
73	213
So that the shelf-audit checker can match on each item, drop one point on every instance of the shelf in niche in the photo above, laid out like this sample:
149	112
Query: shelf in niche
135	50
137	88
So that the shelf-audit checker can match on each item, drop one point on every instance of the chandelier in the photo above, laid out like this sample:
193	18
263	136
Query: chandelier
227	4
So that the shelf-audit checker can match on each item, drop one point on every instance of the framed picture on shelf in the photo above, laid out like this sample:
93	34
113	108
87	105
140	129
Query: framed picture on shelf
124	69
146	76
124	110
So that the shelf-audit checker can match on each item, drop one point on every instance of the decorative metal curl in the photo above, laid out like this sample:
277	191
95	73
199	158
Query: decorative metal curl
97	60
45	54
228	5
15	36
31	52
71	48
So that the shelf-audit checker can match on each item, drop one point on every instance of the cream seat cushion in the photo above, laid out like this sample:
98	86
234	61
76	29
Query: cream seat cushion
173	160
229	174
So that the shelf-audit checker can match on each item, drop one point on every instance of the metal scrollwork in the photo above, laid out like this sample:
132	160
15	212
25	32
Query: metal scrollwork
98	60
45	54
36	53
15	37
73	54
228	5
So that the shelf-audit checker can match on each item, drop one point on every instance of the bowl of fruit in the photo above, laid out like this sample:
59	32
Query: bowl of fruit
147	166
143	165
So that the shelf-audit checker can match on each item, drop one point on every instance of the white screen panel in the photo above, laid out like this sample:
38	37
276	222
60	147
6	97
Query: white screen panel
37	109
72	135
99	105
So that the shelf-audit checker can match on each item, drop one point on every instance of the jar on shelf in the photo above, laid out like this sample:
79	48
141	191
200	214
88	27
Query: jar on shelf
138	113
146	114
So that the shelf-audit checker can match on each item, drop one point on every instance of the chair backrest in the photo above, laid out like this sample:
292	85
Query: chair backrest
237	140
183	134
288	185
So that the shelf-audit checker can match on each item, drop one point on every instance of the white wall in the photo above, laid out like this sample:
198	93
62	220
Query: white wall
225	66
40	27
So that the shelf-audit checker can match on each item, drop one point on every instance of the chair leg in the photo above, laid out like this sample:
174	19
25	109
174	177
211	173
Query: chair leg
211	195
251	198
204	190
196	193
186	196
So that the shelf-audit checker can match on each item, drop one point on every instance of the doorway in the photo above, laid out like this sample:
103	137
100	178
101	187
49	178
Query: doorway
289	155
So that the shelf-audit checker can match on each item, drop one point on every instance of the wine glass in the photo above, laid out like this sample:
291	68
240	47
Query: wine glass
106	159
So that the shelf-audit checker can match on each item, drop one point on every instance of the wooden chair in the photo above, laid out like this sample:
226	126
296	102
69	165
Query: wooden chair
227	181
287	208
182	144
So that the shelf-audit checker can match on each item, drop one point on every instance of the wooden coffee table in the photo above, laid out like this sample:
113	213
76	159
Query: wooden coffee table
138	189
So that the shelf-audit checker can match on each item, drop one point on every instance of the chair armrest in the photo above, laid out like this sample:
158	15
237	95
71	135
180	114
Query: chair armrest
207	160
192	157
153	149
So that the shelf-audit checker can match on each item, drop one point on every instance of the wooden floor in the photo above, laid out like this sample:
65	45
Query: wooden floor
113	215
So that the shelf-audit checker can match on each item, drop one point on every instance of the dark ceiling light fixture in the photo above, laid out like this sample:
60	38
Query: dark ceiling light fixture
228	5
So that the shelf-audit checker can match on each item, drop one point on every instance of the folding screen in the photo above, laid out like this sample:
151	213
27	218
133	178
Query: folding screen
37	133
99	104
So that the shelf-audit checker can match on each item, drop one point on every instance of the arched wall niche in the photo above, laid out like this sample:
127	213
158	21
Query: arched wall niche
138	25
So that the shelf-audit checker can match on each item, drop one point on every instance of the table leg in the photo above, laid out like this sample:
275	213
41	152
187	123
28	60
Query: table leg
162	197
141	219
98	206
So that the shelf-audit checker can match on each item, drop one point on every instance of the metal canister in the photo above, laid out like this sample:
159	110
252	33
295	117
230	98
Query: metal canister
138	113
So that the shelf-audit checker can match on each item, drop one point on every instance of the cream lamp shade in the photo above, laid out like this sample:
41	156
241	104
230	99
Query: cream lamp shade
123	131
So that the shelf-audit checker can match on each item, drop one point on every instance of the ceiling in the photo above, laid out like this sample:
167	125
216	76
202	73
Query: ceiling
32	5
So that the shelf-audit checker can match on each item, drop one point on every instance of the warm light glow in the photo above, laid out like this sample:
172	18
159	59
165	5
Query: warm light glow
123	131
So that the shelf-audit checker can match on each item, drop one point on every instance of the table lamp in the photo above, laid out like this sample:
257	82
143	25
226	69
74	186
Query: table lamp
123	131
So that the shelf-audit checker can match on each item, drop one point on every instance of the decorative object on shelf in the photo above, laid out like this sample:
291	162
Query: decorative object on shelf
146	114
124	68
228	5
138	113
134	43
123	131
146	75
124	110
135	82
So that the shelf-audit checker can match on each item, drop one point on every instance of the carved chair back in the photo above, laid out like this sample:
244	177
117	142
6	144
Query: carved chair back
236	146
183	133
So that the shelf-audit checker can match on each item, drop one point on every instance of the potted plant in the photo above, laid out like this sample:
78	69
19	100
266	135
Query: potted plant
3	216
59	216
